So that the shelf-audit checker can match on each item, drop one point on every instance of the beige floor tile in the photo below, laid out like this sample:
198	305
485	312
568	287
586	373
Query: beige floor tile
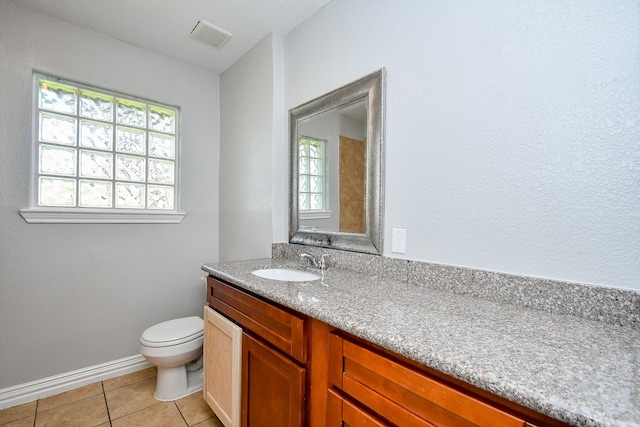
129	379
87	412
69	396
211	422
22	422
18	412
194	409
126	400
163	414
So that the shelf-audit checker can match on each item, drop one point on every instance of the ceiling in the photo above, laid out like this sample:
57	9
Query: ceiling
163	26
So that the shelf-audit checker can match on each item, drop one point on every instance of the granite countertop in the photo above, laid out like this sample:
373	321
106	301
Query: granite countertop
583	372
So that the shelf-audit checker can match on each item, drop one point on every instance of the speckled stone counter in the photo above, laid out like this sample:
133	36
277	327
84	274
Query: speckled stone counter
580	371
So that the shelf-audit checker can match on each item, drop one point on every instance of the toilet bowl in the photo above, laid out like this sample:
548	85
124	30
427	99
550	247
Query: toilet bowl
175	347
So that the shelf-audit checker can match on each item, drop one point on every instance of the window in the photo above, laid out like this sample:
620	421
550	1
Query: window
312	194
99	151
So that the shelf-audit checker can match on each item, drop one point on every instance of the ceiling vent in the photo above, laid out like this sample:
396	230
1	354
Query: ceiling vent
210	34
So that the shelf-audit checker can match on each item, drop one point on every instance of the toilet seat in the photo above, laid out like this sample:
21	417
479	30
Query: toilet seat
173	332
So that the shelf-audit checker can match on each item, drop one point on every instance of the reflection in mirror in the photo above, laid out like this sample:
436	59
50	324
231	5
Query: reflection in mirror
332	163
336	168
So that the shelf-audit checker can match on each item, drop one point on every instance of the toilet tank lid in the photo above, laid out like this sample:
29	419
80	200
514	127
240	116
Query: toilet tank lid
175	329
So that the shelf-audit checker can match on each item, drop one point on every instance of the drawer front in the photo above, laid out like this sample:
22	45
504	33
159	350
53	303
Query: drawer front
343	413
404	395
282	329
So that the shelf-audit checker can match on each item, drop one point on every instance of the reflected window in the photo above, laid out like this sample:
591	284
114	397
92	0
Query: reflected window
311	172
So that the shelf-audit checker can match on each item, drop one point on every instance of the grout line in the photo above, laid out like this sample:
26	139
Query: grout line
35	416
180	412
104	396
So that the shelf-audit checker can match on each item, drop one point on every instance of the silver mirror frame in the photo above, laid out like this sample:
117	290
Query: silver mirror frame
371	89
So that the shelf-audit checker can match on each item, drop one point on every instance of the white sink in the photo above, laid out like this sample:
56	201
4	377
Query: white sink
285	275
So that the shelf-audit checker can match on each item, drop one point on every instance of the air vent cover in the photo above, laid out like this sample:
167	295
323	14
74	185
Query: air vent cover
210	34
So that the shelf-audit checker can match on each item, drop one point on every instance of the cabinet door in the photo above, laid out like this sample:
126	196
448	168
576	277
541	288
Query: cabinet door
272	387
222	367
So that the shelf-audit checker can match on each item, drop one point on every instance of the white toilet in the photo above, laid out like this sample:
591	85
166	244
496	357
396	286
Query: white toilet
175	347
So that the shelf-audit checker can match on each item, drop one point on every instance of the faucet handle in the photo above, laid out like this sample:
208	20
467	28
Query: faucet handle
323	261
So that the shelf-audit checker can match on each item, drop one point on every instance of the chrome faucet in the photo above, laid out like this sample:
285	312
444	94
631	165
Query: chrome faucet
313	262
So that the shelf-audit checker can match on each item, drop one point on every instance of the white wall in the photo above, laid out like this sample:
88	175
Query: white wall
73	296
511	129
250	90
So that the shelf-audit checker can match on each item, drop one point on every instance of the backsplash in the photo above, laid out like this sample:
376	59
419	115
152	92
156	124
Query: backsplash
614	306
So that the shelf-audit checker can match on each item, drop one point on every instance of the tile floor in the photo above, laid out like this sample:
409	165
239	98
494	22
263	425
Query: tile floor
119	402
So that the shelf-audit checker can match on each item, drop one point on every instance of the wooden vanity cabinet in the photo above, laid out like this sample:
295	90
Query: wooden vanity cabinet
274	356
298	371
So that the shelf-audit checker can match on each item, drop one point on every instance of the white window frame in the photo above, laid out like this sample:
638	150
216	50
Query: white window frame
49	214
323	213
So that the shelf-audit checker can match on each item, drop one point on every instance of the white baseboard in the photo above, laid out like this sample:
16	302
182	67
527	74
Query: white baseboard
28	392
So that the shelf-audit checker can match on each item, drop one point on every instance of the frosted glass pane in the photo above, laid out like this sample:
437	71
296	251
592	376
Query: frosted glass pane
162	145
160	197
162	119
161	171
316	184
315	166
129	195
57	129
316	201
57	97
96	105
57	160
303	148
315	150
130	168
57	192
131	113
130	140
94	164
304	166
95	194
303	199
96	135
304	183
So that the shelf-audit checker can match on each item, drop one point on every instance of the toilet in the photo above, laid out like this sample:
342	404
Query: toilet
175	347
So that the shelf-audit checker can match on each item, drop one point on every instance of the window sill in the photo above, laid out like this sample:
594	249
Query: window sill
314	214
93	216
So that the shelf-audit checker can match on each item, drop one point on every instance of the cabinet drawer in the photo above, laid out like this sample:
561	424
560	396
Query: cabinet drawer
343	413
282	329
404	395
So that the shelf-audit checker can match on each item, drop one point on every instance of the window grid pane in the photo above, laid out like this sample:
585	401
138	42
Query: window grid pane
95	194
57	129
94	164
101	149
96	135
311	174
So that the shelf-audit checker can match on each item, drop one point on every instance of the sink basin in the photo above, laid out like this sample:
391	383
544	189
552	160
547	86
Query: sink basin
285	275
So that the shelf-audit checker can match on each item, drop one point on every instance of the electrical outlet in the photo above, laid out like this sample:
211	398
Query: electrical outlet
399	240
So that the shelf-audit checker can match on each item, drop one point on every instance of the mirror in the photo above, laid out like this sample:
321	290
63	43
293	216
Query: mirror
336	168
